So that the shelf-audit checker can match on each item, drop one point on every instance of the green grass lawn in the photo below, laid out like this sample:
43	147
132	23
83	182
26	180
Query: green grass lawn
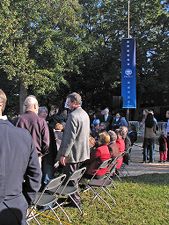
141	200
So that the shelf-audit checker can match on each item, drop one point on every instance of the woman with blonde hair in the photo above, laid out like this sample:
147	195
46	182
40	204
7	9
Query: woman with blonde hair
98	156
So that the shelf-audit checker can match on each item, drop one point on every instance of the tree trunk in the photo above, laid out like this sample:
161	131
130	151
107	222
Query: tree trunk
22	96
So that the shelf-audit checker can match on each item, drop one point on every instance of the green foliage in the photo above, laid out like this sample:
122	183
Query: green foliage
39	42
76	46
104	29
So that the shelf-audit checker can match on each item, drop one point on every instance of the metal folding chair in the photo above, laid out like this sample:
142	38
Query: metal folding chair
44	200
97	186
117	173
70	187
124	171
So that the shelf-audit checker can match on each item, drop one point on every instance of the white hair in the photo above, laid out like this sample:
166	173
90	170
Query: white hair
29	102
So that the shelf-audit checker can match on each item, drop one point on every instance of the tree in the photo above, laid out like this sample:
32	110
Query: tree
39	42
57	46
104	29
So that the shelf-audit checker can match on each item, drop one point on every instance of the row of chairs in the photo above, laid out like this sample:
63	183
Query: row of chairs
49	199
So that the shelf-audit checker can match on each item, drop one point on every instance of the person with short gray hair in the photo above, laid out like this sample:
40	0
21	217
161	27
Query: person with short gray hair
43	112
37	126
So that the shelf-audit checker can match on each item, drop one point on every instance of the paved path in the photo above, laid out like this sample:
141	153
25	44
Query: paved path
136	167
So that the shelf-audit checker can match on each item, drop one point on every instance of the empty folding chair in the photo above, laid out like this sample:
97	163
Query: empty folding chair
109	176
112	171
45	200
70	187
124	171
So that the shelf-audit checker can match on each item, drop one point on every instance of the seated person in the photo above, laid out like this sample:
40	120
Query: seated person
113	147
95	128
119	120
124	133
98	155
121	145
132	134
92	143
102	127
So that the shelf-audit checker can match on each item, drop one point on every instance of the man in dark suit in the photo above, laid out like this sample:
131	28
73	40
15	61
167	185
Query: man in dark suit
20	174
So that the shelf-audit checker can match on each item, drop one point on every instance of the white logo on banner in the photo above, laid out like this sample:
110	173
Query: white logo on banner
128	73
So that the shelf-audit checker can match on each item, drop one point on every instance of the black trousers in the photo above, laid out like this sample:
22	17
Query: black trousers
13	211
68	170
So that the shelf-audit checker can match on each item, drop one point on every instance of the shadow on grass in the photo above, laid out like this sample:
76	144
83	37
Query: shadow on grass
155	178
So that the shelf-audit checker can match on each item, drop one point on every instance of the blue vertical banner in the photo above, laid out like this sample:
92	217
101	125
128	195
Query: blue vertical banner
128	73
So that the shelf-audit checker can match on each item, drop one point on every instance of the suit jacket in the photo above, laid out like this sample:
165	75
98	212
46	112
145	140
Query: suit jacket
75	141
19	165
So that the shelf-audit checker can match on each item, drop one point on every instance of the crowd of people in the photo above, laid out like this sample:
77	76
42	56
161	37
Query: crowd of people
150	137
62	143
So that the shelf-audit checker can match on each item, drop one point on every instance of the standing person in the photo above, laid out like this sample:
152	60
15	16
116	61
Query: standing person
36	125
142	123
149	138
163	149
74	149
49	159
43	112
167	133
20	174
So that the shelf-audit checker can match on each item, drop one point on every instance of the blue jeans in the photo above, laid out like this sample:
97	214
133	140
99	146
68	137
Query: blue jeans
148	150
47	170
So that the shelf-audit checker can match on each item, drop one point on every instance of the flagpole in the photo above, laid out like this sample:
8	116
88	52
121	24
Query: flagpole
128	110
128	18
128	68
